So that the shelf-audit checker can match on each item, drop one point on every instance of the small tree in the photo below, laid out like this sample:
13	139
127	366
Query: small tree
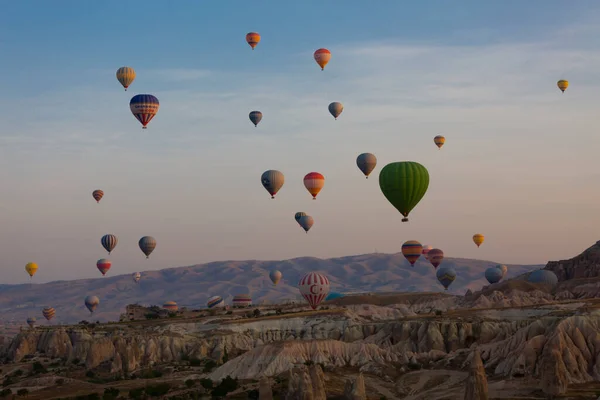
22	392
189	383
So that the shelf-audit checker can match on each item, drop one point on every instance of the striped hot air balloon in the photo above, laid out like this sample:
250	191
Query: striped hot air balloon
446	275
109	242
439	141
241	300
215	302
98	195
563	84
103	265
436	256
412	251
48	313
322	57
171	306
298	215
252	38
272	180
144	107
125	76
314	287
147	245
314	182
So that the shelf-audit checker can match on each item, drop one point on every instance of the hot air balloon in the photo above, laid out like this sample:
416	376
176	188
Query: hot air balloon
103	265
502	268
171	306
144	107
404	184
336	109
31	322
125	75
478	239
439	141
215	302
306	222
272	180
298	215
31	269
334	295
366	162
48	313
314	287
241	300
275	276
493	275
136	277
322	57
562	85
147	245
314	182
97	195
109	242
543	276
426	250
446	275
252	39
255	117
435	257
412	251
91	302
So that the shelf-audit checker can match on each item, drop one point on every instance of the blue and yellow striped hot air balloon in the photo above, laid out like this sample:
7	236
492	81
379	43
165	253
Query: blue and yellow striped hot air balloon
144	107
412	250
446	275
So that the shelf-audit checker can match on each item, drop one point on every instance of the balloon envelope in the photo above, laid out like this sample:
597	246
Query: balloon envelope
314	182
543	276
314	287
366	162
48	313
426	250
563	84
446	275
91	302
436	256
103	265
493	275
322	57
306	222
144	107
275	276
336	109
298	215
404	184
439	141
109	242
147	245
97	195
215	302
478	239
272	180
255	117
412	250
125	76
31	321
252	38
502	268
136	277
31	268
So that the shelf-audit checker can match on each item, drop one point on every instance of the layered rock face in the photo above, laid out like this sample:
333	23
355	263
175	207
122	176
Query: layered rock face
585	265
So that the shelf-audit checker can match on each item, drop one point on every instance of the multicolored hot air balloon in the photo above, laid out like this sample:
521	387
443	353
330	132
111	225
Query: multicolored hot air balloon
306	222
255	117
147	245
215	302
478	239
98	195
404	184
366	162
91	302
446	275
493	275
31	269
125	75
109	242
314	287
563	84
241	300
272	180
252	38
275	276
48	313
171	306
31	322
136	277
426	250
103	265
144	107
322	57
412	251
502	268
336	109
298	215
435	257
314	182
439	141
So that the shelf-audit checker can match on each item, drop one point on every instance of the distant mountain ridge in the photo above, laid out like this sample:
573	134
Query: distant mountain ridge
192	285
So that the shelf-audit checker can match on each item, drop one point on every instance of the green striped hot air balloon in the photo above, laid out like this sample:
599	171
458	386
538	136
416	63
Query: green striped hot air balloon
404	184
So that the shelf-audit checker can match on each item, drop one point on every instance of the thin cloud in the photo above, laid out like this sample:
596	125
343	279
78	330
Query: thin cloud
178	74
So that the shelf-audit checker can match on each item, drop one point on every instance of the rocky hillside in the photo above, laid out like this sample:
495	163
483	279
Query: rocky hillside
585	265
192	286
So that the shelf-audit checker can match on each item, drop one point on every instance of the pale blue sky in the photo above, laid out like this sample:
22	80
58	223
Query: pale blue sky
520	163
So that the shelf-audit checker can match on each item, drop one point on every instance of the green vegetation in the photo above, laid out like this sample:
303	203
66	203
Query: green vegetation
110	394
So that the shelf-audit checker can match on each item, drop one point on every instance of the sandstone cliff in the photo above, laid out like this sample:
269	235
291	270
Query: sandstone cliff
585	265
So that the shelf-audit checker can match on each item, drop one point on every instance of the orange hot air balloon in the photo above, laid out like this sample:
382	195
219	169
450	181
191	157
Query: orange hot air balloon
412	250
322	57
478	238
252	38
314	182
439	141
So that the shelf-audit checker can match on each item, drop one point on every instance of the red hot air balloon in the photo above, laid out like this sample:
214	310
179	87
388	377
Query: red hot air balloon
436	256
314	182
314	287
103	265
